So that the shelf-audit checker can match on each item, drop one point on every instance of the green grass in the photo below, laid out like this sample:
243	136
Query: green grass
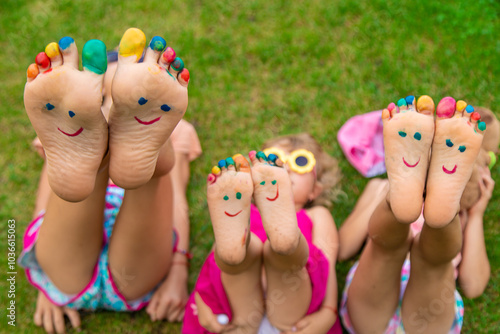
260	69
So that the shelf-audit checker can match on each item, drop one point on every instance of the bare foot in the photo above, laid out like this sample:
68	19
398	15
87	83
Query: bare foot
229	194
64	107
149	99
457	140
274	197
408	133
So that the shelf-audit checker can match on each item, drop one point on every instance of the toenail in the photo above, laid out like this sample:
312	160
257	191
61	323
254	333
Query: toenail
215	170
222	163
261	155
32	71
42	60
71	114
391	106
94	57
169	55
461	148
165	107
49	106
132	43
230	161
65	42
185	75
52	50
449	143
481	126
142	101
446	107
402	133
177	64
475	116
157	43
409	99
272	157
401	102
238	195
461	105
417	136
469	109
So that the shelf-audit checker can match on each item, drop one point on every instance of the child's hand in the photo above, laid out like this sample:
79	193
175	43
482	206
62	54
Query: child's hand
318	322
486	185
169	300
51	316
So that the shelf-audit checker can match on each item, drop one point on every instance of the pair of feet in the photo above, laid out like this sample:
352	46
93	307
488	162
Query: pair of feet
64	107
230	189
429	154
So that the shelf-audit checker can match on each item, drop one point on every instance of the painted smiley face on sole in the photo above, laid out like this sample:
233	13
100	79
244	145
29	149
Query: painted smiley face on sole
229	195
457	140
408	133
64	107
149	98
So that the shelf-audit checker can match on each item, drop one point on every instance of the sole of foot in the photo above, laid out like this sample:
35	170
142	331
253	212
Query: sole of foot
64	107
274	198
457	140
149	99
229	195
408	134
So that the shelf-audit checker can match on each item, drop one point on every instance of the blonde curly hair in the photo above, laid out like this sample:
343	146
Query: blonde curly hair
327	169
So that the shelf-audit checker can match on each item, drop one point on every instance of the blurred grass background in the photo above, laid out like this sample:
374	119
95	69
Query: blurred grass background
259	69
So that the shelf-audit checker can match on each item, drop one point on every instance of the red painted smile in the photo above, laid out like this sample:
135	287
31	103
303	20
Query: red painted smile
450	171
147	123
275	197
72	134
411	166
230	215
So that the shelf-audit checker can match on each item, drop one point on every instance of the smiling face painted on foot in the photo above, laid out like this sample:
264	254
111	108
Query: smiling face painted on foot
163	108
71	114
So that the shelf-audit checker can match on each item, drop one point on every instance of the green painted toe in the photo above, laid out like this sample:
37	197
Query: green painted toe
94	56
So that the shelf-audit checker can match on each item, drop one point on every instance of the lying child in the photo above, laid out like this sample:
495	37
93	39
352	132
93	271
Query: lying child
273	262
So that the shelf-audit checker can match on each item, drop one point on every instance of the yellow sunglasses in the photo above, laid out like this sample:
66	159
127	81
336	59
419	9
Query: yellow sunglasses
300	161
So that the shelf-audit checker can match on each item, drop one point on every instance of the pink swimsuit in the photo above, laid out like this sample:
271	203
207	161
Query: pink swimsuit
210	288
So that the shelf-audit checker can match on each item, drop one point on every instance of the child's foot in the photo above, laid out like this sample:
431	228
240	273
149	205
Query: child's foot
457	140
64	107
149	99
229	194
408	133
274	197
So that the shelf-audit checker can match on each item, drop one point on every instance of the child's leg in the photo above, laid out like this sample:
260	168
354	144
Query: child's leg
238	253
354	230
428	303
286	251
374	292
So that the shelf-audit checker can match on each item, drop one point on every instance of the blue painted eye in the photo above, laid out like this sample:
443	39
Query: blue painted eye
263	182
274	182
417	136
142	101
461	148
71	114
449	143
238	195
402	134
226	198
49	106
165	107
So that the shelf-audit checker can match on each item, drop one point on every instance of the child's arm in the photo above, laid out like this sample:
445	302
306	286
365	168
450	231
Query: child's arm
169	300
325	237
474	270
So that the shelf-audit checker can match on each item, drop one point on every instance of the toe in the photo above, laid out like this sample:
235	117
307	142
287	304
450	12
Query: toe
446	107
425	105
176	66
242	164
222	164
67	46
402	104
52	51
94	57
410	101
167	57
183	77
156	46
461	105
392	109
131	46
32	72
230	164
43	62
